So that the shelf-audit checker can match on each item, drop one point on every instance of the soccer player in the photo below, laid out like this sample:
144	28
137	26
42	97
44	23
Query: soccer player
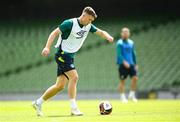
126	59
72	33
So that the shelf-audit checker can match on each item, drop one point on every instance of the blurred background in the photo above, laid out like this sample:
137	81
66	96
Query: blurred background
26	24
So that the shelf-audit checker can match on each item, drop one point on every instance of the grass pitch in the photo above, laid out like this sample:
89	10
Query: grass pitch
58	111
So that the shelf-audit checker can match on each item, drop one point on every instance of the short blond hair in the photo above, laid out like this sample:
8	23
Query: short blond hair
89	10
125	29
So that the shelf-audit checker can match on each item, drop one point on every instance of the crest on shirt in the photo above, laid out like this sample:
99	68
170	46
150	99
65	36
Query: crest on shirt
80	34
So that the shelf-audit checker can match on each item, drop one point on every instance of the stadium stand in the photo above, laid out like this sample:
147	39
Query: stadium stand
24	70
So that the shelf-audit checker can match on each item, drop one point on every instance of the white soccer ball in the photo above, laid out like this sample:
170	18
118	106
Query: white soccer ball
105	108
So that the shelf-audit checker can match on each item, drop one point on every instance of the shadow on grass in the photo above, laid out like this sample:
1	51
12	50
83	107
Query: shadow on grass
54	116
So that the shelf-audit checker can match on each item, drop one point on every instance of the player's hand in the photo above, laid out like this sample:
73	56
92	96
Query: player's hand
136	67
110	39
126	64
45	51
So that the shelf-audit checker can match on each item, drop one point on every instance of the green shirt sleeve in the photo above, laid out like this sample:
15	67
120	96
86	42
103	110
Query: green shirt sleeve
119	55
134	56
65	28
66	25
93	28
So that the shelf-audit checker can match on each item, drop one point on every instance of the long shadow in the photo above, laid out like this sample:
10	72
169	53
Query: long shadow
56	116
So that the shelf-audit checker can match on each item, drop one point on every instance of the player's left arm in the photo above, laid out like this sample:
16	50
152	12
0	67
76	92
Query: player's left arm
134	58
104	35
101	33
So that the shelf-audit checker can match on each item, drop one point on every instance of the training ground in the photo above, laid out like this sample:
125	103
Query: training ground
58	111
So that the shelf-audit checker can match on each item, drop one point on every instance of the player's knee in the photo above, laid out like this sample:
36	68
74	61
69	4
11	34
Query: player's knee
135	78
75	78
122	81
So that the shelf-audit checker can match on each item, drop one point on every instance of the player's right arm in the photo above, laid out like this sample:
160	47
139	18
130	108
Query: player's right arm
51	38
119	55
120	59
126	64
63	28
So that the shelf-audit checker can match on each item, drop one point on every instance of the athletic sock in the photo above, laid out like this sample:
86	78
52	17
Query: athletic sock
123	96
73	103
131	93
40	101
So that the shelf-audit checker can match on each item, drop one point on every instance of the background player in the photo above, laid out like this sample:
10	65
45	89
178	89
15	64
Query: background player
72	33
126	59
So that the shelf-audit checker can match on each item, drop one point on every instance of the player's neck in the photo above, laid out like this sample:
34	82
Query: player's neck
80	22
125	39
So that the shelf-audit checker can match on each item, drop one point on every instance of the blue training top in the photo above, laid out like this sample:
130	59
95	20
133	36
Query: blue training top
125	51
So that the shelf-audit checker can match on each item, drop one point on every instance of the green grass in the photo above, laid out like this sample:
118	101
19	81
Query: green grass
58	111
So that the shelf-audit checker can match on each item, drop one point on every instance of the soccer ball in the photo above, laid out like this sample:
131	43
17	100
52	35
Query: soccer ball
105	108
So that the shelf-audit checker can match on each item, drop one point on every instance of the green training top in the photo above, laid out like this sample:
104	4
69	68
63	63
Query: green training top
66	27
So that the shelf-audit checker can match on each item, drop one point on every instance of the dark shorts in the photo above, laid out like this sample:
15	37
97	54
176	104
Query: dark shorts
124	72
64	62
